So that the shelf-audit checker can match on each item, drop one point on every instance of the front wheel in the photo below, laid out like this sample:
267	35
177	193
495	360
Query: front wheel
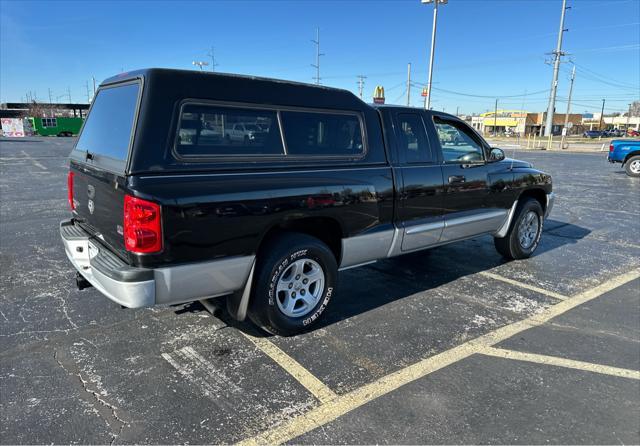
632	166
525	231
296	276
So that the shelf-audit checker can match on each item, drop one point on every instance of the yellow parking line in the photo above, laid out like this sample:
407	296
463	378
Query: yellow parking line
343	404
560	362
320	390
524	285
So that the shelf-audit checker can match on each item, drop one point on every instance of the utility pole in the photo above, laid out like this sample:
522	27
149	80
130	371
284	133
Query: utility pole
565	130
86	85
69	94
212	55
361	79
557	54
94	85
601	116
409	84
318	54
427	98
50	102
457	109
495	120
626	131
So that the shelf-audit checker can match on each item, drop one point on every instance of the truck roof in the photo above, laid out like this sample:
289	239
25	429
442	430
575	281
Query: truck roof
255	84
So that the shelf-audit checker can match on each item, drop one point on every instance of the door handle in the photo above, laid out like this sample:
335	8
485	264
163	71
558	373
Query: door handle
456	179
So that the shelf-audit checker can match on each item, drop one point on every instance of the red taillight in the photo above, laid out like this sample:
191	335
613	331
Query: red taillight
142	228
610	147
70	190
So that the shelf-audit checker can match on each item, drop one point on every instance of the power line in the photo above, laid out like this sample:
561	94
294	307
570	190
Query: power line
489	96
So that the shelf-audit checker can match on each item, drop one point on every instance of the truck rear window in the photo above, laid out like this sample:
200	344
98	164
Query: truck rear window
107	131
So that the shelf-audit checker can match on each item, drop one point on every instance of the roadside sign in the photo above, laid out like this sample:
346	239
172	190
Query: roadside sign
378	95
564	131
569	125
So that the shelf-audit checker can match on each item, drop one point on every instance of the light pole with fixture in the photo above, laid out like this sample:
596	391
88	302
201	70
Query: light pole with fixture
427	98
199	63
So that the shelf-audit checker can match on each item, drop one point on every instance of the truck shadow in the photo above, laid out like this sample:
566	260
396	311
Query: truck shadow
363	289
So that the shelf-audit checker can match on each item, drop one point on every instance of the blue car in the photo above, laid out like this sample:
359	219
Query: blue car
592	134
627	152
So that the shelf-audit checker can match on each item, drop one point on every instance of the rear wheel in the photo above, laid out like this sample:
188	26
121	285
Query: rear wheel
525	231
296	276
632	166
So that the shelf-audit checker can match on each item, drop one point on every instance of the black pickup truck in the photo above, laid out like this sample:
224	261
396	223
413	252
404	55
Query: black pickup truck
186	185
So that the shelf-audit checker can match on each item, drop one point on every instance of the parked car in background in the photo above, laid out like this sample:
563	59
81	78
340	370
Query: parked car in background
165	211
592	134
633	132
613	133
626	152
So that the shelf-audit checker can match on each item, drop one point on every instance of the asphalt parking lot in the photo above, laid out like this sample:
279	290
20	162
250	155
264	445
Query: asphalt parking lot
452	345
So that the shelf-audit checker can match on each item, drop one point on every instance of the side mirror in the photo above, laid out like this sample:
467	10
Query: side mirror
496	155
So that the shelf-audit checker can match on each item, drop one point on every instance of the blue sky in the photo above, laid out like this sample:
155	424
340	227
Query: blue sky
484	47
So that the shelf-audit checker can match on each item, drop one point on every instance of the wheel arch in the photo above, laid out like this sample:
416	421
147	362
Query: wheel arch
536	193
326	229
630	155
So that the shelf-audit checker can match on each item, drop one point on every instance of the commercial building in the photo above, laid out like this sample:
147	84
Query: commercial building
523	123
592	122
40	109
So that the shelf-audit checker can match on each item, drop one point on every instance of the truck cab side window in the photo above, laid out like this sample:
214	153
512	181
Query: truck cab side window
459	144
412	138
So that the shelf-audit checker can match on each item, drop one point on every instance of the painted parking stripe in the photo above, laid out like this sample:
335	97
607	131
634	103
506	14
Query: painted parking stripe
317	388
524	285
34	161
343	404
560	362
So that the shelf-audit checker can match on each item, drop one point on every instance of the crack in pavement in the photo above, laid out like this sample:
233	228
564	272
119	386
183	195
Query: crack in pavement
107	411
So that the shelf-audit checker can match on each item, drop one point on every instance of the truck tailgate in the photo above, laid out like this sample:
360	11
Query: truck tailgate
98	197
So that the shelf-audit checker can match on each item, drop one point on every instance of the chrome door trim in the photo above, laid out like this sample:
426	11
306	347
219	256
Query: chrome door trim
418	229
474	218
481	222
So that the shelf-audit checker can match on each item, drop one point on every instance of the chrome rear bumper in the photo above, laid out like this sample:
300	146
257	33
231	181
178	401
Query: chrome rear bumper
135	287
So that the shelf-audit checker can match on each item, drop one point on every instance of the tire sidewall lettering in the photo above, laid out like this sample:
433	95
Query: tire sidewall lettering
321	308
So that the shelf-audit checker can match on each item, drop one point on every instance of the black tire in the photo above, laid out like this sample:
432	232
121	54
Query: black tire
632	165
274	261
511	246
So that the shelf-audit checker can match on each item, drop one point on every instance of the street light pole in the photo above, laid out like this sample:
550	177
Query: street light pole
601	116
200	64
427	98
